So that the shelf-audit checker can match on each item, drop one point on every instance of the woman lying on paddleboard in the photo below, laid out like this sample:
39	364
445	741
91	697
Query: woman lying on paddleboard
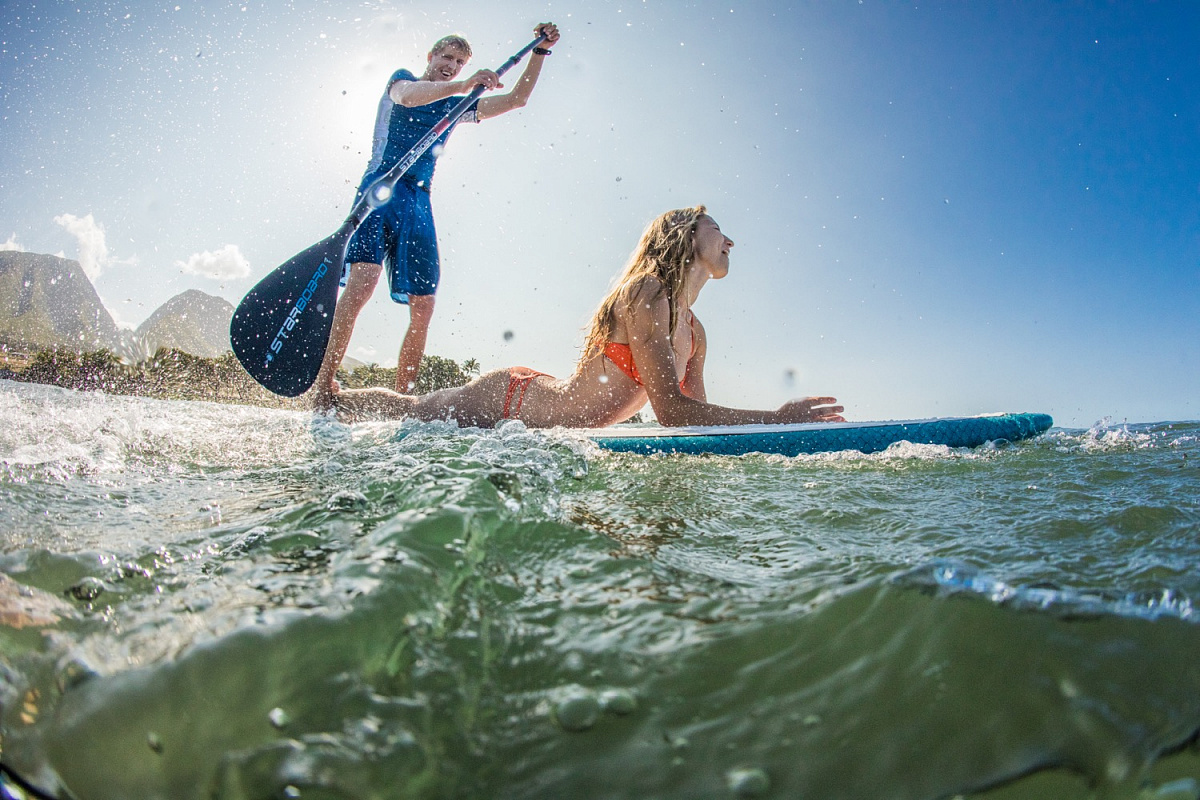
644	343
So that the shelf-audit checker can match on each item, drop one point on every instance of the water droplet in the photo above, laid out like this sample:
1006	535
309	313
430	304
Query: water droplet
748	782
380	195
278	717
508	336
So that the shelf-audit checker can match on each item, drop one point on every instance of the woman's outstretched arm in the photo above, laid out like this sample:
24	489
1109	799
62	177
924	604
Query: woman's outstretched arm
693	378
648	324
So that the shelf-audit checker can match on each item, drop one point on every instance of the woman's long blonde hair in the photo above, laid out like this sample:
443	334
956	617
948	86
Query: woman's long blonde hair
667	247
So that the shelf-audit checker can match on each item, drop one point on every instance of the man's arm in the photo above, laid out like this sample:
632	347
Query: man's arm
420	93
519	96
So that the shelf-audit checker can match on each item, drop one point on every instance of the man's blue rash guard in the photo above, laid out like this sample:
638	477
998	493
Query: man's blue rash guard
400	235
398	128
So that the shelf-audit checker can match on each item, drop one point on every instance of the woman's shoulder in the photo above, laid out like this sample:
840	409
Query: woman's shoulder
643	298
646	288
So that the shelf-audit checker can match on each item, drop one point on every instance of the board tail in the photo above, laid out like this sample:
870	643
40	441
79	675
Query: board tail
281	328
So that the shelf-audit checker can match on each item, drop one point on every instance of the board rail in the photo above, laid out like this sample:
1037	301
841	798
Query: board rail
821	437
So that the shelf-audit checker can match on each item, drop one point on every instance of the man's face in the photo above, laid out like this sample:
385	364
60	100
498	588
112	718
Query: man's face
445	64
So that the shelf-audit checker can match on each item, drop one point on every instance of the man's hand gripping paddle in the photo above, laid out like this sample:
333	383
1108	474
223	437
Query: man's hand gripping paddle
281	328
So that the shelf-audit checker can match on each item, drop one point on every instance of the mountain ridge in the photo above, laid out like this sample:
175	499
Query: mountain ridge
49	302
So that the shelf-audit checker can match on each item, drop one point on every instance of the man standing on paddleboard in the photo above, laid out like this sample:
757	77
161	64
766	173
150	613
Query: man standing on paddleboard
400	234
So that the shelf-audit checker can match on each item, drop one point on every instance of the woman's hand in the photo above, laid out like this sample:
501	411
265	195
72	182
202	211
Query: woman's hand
811	409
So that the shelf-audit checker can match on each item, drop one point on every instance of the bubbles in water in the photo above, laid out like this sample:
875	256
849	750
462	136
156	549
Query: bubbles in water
618	701
71	672
1183	789
347	500
87	589
577	711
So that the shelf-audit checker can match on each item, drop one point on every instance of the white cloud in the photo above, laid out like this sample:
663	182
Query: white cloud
11	244
225	264
93	251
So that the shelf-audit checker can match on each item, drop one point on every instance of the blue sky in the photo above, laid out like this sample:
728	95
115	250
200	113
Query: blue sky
939	208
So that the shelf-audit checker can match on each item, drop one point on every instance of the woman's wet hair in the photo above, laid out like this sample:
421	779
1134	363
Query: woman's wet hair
667	247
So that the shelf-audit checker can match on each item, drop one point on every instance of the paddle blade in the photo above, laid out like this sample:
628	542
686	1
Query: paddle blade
281	328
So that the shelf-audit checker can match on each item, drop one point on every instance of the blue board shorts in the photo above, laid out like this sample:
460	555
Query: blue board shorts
401	237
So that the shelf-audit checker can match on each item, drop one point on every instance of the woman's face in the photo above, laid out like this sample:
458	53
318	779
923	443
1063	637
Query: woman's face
712	247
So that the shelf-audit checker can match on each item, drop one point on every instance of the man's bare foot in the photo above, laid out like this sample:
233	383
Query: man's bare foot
323	398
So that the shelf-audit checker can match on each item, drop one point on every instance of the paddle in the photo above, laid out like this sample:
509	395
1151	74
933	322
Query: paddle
281	328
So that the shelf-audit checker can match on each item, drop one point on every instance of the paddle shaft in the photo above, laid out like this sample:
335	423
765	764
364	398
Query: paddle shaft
370	199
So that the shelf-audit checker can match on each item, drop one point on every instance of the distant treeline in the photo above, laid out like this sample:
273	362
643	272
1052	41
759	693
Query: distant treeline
175	375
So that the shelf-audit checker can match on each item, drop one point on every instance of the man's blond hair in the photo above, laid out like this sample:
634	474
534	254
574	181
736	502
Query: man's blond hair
453	40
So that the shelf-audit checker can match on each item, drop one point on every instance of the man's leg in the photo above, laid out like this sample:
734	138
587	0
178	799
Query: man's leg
420	312
355	295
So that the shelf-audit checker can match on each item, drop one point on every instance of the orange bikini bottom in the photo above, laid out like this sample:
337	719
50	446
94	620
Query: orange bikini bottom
518	382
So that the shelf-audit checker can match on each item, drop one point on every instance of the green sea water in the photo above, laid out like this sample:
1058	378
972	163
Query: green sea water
245	603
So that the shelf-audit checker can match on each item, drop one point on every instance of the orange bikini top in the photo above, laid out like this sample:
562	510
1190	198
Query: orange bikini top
622	357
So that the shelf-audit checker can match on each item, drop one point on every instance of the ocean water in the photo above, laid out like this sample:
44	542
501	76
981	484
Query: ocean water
208	601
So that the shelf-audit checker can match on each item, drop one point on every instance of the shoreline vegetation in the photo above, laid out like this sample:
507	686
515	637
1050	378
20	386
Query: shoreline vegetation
175	375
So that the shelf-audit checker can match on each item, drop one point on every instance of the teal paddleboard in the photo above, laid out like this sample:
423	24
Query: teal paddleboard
824	437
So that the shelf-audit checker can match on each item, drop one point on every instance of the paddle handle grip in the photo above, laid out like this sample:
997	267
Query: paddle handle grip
516	57
378	193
